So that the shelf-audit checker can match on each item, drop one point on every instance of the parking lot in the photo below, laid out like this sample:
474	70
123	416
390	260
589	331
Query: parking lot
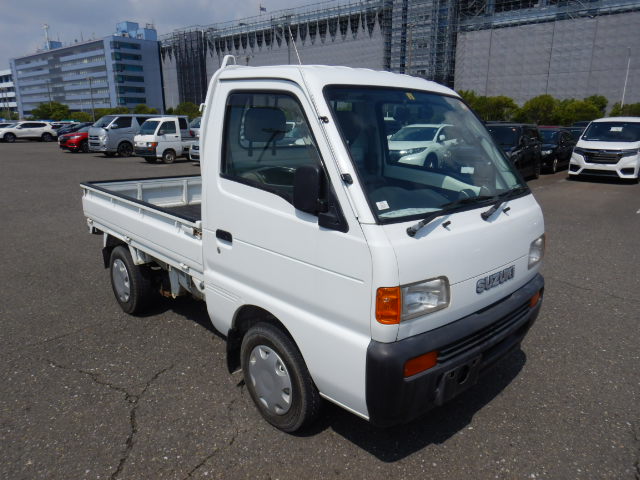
89	392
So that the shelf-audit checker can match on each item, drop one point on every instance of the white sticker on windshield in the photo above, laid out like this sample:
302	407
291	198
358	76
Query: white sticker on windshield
382	205
467	170
616	129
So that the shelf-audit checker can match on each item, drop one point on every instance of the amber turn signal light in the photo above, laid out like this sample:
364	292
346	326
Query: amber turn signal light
420	364
533	301
388	307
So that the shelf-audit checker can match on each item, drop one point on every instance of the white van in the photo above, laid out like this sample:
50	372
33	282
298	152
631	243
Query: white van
161	138
608	148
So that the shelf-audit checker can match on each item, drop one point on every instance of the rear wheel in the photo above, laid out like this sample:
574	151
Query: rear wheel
132	284
125	149
277	378
9	137
46	137
169	156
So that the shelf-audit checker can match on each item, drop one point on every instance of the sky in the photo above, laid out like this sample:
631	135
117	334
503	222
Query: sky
21	21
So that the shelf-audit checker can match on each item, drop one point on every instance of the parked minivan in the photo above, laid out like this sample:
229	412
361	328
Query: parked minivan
113	134
521	143
608	148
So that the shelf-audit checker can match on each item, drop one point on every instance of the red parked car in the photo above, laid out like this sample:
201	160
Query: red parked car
76	141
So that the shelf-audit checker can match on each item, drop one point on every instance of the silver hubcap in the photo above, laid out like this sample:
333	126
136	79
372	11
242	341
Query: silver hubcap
555	165
121	280
270	379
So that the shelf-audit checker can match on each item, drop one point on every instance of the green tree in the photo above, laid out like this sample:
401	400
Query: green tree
468	96
170	111
573	110
628	110
496	108
142	109
599	101
187	108
540	110
51	111
81	117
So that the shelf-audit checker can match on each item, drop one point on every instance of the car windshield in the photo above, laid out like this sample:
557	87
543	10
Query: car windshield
149	127
613	132
415	133
195	123
505	136
104	121
404	184
549	136
7	125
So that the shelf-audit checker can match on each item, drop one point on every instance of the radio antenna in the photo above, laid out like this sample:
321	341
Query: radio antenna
294	45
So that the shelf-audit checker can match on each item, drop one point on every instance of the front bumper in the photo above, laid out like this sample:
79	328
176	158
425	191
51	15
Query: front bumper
145	151
467	347
627	167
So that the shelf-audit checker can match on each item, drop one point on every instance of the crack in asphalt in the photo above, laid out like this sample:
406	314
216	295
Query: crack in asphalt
130	398
582	287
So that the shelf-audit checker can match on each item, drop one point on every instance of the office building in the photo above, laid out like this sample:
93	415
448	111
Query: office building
7	94
122	69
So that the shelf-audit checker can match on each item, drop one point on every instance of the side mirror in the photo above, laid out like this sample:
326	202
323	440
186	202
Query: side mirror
441	138
114	126
307	183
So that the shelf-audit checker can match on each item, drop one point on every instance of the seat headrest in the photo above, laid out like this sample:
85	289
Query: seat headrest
349	125
263	124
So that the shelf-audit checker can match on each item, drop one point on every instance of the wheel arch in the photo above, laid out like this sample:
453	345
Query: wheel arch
110	242
246	317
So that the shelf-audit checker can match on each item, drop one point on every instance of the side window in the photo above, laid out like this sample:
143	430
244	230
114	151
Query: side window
168	127
257	150
123	122
183	123
141	120
27	125
39	125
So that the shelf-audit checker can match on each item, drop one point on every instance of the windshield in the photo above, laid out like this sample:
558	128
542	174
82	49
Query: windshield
415	133
104	122
404	181
505	136
549	136
613	132
149	127
195	123
6	125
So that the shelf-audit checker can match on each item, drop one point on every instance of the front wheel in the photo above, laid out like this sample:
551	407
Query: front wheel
169	156
9	137
125	149
46	137
277	378
84	146
132	284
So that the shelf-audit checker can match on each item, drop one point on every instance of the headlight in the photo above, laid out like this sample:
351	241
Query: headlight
102	138
397	304
411	151
629	153
424	297
546	152
536	251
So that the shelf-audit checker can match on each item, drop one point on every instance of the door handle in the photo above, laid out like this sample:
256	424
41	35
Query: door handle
224	236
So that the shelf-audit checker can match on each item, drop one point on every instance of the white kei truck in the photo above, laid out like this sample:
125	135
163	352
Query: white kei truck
161	138
333	269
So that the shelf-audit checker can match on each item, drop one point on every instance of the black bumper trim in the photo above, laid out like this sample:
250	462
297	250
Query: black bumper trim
467	347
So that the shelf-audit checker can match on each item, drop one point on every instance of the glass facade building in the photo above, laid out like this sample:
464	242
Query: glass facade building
7	93
122	69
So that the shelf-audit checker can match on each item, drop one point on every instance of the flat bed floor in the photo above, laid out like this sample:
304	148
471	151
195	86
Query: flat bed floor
192	213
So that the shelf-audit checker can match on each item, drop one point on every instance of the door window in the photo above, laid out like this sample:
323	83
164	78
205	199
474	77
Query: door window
123	122
183	123
168	127
266	138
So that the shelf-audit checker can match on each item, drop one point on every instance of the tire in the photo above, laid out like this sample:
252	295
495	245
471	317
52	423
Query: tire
169	156
554	165
270	358
9	137
46	137
150	159
536	169
125	149
84	146
431	161
109	154
132	284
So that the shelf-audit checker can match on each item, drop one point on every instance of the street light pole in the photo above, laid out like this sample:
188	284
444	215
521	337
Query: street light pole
626	78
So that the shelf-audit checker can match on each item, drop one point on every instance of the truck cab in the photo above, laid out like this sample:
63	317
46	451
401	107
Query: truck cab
334	269
163	138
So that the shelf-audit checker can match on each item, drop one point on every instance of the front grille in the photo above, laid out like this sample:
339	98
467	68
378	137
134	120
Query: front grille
600	173
606	157
495	329
94	137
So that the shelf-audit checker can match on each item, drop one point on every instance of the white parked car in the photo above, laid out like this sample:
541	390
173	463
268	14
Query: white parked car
608	148
161	138
194	151
28	130
420	144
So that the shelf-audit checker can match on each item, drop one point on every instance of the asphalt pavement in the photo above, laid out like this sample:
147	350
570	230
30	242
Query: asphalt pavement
89	392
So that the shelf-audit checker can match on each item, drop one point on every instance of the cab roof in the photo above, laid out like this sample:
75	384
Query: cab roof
319	76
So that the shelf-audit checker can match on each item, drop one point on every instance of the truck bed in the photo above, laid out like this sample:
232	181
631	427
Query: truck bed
159	216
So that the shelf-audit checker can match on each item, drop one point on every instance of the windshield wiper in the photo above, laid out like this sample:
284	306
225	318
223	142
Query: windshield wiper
500	199
446	208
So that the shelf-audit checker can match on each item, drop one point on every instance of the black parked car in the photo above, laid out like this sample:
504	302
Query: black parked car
557	146
73	127
522	143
